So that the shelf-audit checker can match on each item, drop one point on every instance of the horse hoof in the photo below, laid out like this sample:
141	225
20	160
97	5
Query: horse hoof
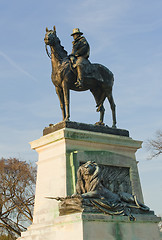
100	124
114	126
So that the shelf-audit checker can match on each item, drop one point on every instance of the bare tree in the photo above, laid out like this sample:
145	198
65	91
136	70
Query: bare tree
17	188
155	145
160	226
4	236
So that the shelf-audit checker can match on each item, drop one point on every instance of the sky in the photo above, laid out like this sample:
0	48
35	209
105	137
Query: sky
125	36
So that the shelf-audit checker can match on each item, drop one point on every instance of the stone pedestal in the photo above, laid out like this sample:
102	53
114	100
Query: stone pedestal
80	226
61	150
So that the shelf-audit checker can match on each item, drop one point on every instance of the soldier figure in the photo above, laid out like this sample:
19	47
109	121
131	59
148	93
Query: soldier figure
80	54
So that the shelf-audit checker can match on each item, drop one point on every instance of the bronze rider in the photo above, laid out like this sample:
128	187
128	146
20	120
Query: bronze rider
80	53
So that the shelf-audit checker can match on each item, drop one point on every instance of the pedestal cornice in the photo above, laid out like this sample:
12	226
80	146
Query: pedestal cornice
87	136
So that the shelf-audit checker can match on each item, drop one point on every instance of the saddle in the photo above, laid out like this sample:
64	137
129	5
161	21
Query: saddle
89	70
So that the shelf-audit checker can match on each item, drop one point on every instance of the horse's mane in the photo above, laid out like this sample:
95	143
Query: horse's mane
60	52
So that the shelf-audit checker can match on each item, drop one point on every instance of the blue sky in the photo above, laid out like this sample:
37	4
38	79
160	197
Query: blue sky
125	36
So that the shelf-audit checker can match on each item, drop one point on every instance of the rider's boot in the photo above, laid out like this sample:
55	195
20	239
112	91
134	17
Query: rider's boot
79	82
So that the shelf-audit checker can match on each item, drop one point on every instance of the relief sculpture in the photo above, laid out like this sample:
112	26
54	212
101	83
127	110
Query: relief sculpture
92	196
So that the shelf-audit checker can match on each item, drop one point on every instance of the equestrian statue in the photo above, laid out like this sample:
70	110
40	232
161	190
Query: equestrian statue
76	72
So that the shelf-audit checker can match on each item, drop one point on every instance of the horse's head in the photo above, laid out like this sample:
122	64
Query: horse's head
50	37
53	41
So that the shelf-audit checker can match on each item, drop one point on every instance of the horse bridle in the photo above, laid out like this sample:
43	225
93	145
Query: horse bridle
49	55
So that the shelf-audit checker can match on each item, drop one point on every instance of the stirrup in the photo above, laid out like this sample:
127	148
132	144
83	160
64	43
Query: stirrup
79	83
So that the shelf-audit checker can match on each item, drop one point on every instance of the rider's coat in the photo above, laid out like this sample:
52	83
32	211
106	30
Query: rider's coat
81	50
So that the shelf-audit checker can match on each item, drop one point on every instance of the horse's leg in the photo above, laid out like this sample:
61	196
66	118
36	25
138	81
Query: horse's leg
113	108
101	109
99	96
60	95
66	99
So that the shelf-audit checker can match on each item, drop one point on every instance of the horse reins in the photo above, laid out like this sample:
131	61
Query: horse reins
49	55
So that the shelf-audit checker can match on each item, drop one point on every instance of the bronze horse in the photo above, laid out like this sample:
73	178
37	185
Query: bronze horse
64	78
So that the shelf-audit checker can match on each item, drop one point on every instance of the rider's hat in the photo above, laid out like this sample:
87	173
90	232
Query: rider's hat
76	31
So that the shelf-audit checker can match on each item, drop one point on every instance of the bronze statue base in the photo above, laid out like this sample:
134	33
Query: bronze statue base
84	126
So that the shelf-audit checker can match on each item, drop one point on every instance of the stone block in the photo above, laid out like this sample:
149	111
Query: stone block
60	152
